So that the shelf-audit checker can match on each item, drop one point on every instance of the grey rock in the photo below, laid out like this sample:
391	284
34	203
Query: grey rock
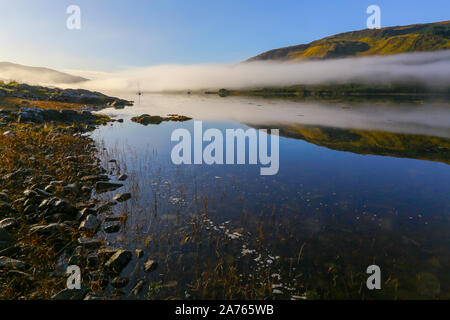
50	188
28	193
21	173
150	266
4	197
105	254
90	224
8	224
70	294
86	189
57	205
9	263
31	210
102	186
89	243
42	193
75	260
139	253
6	210
5	237
46	230
92	260
121	197
122	177
138	287
86	212
112	227
106	206
57	183
73	188
119	282
118	261
94	178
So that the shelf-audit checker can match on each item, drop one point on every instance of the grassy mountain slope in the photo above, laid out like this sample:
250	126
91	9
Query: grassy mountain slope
384	41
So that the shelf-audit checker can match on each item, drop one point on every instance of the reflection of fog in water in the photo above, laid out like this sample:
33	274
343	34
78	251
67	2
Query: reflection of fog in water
427	119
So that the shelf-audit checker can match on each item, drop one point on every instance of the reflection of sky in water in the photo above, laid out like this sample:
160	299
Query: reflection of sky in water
316	188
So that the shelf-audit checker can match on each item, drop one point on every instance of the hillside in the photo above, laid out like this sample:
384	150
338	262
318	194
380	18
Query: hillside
368	42
35	75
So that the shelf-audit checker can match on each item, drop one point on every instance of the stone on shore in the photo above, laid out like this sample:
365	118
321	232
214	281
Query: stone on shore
9	263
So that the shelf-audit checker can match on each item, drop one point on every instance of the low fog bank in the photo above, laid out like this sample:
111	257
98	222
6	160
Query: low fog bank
426	68
429	68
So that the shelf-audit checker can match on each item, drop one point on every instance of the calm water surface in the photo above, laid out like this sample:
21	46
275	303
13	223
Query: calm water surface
357	185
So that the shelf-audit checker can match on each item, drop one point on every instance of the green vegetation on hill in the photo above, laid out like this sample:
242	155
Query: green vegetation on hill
389	92
368	42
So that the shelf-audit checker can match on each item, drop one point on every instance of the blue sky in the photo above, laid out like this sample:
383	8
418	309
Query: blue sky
117	35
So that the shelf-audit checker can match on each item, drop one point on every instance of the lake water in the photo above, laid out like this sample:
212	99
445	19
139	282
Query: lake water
358	184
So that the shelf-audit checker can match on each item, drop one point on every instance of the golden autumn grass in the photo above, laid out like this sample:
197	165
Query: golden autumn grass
44	149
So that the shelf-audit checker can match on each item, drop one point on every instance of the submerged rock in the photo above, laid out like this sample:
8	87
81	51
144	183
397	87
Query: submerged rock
112	227
70	294
121	197
139	253
119	261
90	224
150	266
138	287
119	282
106	206
102	186
89	243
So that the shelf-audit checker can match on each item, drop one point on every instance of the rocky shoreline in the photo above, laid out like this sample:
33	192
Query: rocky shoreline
49	175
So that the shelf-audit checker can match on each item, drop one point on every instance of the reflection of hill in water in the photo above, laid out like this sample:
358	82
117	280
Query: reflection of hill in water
370	142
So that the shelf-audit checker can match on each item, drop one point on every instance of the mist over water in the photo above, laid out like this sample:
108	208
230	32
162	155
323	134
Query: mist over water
429	68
